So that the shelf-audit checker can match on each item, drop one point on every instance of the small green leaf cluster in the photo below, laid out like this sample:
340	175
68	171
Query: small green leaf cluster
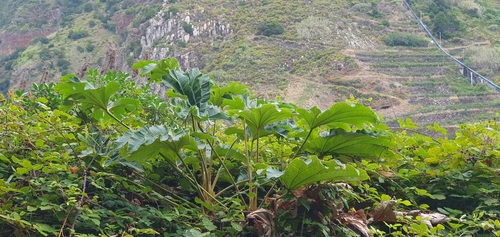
453	174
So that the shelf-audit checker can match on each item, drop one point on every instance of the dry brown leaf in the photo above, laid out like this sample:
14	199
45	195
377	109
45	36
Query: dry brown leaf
291	206
384	212
263	222
299	192
387	174
356	221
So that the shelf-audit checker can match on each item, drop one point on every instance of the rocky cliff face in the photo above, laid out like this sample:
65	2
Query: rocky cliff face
166	34
180	33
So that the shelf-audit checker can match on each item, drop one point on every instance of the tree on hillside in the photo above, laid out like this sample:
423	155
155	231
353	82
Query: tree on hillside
447	24
270	27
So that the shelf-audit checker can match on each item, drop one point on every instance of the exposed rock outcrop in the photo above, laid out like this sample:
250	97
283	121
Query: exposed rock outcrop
164	35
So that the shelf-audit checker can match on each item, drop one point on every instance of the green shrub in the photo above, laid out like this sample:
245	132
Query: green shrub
92	23
63	64
129	60
405	39
68	20
493	28
95	157
375	13
87	7
8	66
101	17
270	27
151	11
42	40
89	47
134	47
80	49
15	54
484	58
74	35
446	25
111	26
182	44
45	54
188	28
173	10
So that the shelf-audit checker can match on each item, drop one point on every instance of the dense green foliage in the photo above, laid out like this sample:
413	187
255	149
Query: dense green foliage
451	19
74	35
188	28
270	27
446	25
102	156
405	39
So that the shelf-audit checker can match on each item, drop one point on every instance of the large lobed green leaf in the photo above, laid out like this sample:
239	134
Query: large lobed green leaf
344	143
75	91
300	173
150	141
193	85
144	136
219	94
156	70
341	115
258	118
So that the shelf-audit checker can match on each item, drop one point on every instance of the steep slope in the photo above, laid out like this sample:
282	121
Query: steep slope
42	40
328	50
423	83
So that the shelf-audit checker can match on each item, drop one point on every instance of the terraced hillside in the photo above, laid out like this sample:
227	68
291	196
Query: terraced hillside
418	83
425	86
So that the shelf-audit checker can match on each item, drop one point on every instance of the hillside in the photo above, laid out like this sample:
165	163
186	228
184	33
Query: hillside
324	51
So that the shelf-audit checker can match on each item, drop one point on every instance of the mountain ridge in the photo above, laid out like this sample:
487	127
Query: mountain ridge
327	52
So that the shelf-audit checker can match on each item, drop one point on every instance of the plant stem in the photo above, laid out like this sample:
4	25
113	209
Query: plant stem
230	176
268	192
116	119
252	200
80	203
303	143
